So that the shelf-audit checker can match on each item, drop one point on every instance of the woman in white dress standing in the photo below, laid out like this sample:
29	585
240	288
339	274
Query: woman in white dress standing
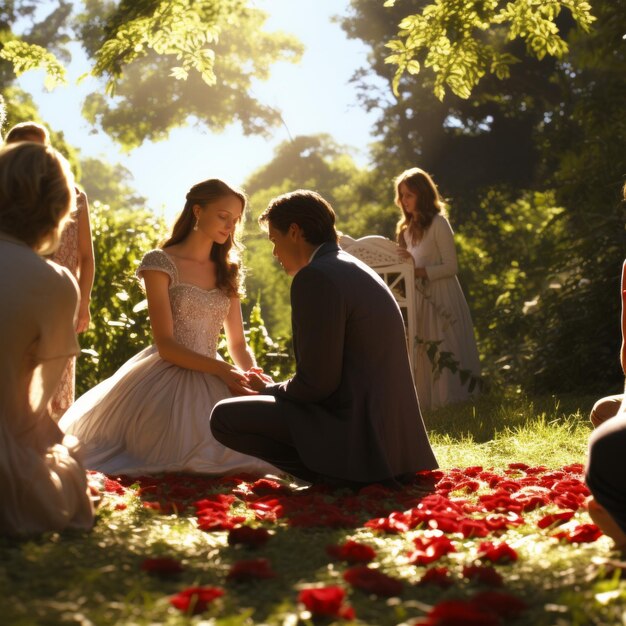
447	365
152	415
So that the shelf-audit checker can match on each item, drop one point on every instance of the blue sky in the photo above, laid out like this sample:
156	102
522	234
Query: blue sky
314	97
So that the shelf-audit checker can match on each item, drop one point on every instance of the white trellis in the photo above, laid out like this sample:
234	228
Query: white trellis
382	256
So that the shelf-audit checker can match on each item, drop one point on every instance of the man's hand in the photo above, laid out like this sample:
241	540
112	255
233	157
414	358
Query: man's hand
237	381
261	373
258	380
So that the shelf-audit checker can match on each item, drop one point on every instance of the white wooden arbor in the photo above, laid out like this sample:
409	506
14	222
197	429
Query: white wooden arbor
382	256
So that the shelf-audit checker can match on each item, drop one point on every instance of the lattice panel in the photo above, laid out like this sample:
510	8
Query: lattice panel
381	255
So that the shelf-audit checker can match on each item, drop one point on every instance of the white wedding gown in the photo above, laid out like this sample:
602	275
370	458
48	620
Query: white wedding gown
442	315
153	416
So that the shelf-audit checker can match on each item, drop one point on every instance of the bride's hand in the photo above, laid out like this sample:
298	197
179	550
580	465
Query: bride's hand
261	373
236	380
258	381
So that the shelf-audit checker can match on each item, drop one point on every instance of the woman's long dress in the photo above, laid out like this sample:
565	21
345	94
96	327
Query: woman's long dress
67	256
153	416
443	323
43	486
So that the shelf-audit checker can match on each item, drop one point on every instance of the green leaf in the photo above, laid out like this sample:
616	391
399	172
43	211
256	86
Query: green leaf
413	67
25	56
179	73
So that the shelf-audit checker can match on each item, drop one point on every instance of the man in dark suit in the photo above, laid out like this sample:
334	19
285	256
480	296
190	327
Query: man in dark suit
350	414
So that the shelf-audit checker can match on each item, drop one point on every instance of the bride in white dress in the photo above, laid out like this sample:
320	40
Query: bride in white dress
450	373
152	415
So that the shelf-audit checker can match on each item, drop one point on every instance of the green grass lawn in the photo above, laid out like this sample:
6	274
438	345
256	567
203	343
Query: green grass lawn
505	427
97	577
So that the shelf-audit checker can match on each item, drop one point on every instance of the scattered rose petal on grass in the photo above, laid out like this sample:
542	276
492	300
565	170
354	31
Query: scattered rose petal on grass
467	486
473	528
504	497
496	553
583	533
372	581
113	486
218	520
496	522
217	502
430	549
252	569
574	468
326	602
439	576
518	466
352	552
396	522
266	486
248	536
195	600
161	566
458	613
555	519
483	574
267	508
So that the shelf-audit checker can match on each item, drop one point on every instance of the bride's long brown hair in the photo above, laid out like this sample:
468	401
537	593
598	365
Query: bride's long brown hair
429	203
225	255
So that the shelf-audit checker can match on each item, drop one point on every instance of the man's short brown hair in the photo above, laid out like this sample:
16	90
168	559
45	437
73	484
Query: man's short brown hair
308	210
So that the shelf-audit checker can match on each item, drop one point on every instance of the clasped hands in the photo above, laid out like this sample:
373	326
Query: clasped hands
247	383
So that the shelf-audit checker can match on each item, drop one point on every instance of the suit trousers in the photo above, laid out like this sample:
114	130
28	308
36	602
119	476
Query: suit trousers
259	426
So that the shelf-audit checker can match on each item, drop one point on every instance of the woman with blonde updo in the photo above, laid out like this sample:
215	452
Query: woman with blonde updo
152	415
447	367
43	486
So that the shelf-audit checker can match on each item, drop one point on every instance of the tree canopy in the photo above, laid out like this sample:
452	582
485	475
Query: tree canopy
462	40
161	64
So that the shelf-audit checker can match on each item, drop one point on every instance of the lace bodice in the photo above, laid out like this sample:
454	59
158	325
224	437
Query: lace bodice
198	314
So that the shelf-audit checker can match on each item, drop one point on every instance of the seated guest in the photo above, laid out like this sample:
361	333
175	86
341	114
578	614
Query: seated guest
350	414
43	486
75	251
606	466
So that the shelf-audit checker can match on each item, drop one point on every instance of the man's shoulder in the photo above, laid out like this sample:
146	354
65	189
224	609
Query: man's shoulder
342	269
336	260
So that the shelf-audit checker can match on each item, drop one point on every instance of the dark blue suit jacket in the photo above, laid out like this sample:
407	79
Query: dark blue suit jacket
357	415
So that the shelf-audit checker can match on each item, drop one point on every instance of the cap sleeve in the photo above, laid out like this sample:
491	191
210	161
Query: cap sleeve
159	261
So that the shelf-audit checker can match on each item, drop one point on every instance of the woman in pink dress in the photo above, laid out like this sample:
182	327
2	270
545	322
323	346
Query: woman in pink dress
75	252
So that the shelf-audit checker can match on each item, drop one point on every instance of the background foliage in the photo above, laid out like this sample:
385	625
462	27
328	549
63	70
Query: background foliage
121	328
